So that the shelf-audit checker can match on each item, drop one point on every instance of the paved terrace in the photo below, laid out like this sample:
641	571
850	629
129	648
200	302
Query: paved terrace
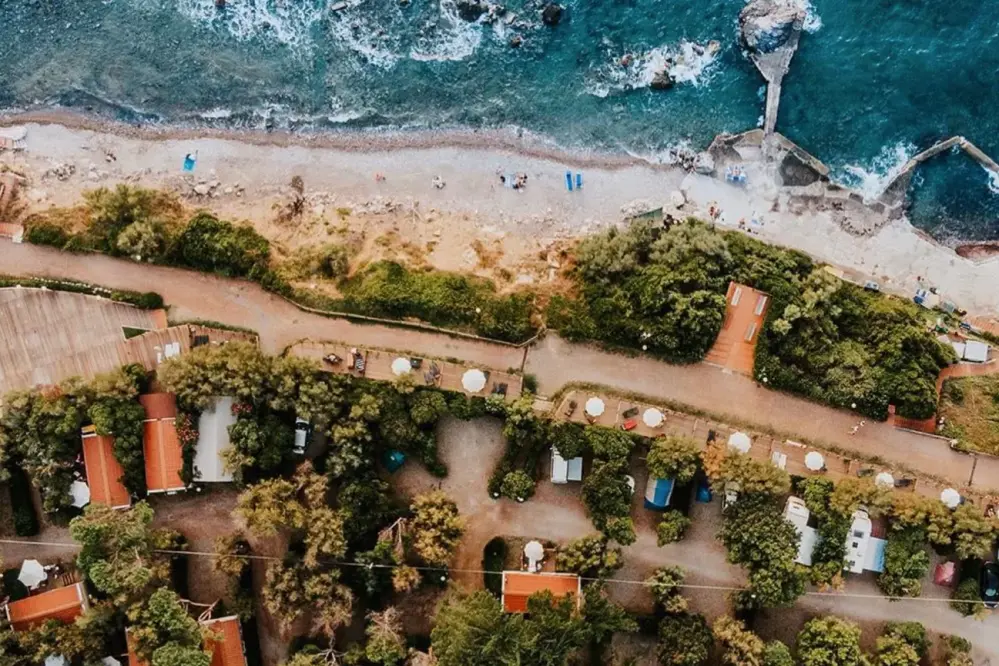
555	363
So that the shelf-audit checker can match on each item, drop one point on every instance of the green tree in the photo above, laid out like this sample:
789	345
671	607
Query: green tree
830	641
436	527
568	439
684	640
426	407
906	563
776	653
173	654
740	647
261	445
386	644
671	528
217	246
517	485
602	617
270	506
757	536
674	458
590	557
554	630
237	369
609	444
606	492
472	630
117	550
122	418
665	584
163	620
973	533
754	477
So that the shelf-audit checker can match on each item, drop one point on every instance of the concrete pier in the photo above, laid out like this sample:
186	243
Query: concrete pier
895	190
774	67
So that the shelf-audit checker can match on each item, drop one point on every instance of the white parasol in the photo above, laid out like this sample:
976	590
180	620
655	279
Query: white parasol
951	498
594	407
80	492
534	551
739	441
56	660
473	380
885	480
652	417
32	574
401	366
814	461
110	661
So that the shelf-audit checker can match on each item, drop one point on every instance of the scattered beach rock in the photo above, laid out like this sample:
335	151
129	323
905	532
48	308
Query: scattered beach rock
704	164
202	189
60	171
766	25
516	41
471	10
662	80
552	14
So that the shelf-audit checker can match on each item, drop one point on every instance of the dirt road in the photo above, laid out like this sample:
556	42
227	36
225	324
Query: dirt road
553	361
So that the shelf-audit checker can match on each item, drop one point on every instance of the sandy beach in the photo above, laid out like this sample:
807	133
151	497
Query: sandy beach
474	222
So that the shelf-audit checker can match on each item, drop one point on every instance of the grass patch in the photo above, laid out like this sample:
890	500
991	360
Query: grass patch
970	409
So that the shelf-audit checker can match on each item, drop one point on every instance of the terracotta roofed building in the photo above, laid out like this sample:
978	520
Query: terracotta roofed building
64	604
104	472
518	586
161	445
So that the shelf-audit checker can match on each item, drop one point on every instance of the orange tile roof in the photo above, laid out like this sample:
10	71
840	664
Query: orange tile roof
103	471
62	603
228	650
159	405
164	457
519	585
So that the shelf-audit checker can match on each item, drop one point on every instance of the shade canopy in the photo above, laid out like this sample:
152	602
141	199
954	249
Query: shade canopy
950	497
594	406
814	461
885	480
110	661
401	366
534	551
739	441
652	417
80	492
473	380
56	660
32	574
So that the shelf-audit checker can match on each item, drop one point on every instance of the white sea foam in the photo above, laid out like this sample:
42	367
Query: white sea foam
993	179
872	179
288	23
451	38
687	62
217	113
813	22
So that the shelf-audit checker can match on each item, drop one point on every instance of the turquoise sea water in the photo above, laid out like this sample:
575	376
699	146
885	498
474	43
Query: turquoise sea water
873	82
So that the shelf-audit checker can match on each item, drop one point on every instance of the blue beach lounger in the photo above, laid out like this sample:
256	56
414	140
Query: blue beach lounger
568	180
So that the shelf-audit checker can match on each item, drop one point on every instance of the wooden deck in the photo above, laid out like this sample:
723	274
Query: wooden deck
48	336
378	366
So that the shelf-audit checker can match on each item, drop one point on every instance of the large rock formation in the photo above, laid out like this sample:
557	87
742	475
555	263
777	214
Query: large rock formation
551	14
766	25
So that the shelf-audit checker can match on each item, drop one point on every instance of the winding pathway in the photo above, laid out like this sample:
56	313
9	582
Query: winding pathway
554	362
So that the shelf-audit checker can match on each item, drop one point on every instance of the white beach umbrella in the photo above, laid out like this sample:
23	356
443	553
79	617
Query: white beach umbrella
739	441
534	551
401	366
32	574
814	461
110	661
594	406
885	480
951	498
473	380
56	660
630	480
80	492
652	417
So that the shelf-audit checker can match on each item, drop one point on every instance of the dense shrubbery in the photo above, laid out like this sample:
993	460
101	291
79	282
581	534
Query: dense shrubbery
663	291
25	518
146	300
387	289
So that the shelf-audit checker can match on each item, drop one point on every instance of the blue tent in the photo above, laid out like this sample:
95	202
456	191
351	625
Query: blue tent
658	493
393	460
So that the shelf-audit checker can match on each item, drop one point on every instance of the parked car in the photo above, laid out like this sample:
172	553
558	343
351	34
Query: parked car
302	431
989	584
871	285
